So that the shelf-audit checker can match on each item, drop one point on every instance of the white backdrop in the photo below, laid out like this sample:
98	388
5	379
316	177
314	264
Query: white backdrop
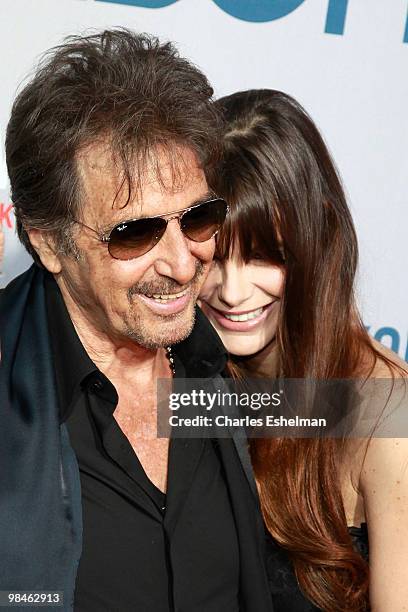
345	60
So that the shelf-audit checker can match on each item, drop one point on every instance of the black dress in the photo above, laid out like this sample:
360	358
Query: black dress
286	594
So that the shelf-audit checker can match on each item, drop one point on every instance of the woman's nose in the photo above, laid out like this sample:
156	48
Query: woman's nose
236	287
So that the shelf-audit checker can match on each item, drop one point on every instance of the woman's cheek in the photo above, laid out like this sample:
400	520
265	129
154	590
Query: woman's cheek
211	283
269	278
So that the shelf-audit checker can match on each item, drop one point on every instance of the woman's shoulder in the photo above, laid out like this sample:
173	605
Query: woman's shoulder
380	444
387	364
380	430
383	397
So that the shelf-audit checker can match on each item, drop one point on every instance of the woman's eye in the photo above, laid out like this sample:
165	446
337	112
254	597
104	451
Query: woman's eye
257	257
275	259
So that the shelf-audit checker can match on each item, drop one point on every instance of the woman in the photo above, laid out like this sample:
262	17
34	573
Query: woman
280	295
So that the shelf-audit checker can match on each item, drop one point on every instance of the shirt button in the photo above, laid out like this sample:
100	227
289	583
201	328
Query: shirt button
96	386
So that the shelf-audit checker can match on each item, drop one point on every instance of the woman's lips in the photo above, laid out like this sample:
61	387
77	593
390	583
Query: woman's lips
240	326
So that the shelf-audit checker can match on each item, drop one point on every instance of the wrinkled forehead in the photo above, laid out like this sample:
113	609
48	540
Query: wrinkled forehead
113	187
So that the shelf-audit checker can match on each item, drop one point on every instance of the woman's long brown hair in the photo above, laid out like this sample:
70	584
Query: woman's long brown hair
288	206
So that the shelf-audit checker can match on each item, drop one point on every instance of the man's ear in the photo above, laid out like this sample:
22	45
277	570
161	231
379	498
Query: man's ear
44	245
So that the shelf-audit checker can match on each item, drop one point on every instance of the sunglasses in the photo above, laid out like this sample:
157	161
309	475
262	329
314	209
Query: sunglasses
136	237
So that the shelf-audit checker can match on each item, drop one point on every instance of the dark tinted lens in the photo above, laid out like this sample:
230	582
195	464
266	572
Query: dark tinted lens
203	221
134	238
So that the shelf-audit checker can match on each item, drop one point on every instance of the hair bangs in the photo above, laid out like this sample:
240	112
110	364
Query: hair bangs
251	230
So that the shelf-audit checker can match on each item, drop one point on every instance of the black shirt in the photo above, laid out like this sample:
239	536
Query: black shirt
142	550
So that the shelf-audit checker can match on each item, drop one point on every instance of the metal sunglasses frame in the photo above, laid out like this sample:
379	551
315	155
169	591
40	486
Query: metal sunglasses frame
175	214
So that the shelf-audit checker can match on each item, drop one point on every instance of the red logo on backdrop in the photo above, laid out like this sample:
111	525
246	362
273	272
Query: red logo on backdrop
6	215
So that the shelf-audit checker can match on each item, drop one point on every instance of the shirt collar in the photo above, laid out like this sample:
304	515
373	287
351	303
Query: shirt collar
72	363
202	353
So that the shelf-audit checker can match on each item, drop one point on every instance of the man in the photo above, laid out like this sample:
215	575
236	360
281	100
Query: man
108	150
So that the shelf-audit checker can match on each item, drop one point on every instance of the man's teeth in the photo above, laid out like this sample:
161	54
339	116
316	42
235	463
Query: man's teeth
160	297
245	317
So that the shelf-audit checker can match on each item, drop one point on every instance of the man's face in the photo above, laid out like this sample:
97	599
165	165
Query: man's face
115	296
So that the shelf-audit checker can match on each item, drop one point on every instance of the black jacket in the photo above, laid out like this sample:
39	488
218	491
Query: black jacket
40	496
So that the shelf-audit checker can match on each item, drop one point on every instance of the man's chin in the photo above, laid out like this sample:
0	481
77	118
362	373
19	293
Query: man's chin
180	328
164	331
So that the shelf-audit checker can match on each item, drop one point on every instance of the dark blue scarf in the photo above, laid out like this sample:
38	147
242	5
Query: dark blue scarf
40	501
